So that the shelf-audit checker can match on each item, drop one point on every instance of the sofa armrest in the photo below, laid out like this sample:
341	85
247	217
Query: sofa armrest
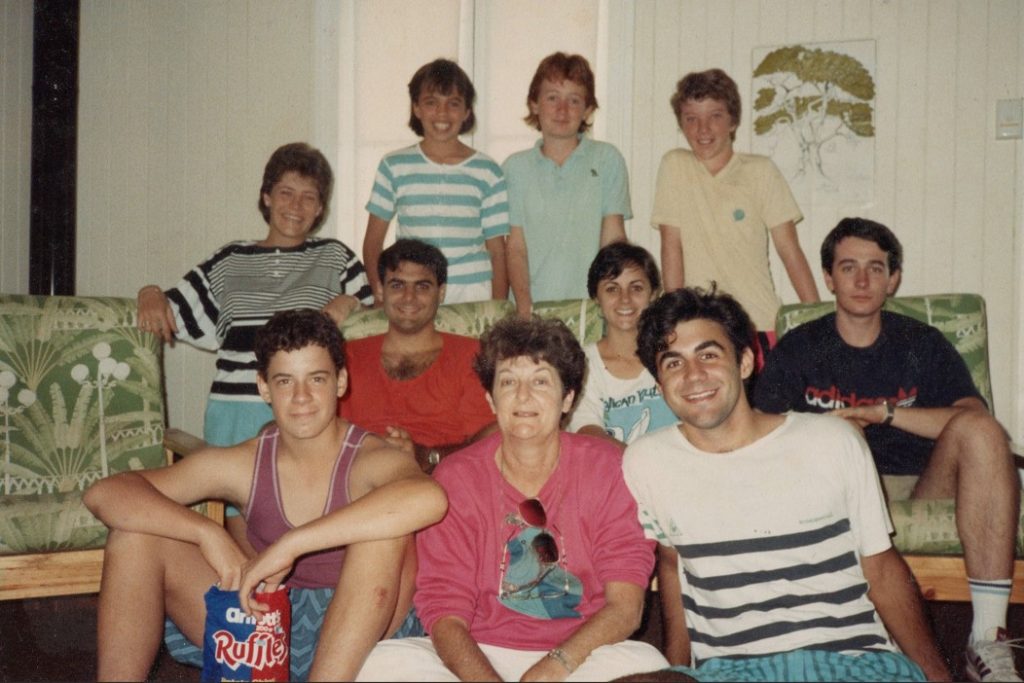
180	443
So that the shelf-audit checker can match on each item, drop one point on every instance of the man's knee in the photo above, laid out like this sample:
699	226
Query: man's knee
975	434
131	545
146	553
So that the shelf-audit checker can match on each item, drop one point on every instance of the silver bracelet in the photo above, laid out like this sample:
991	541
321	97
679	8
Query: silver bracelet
890	413
563	658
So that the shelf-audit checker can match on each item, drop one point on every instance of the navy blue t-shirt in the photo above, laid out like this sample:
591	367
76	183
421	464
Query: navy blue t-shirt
910	364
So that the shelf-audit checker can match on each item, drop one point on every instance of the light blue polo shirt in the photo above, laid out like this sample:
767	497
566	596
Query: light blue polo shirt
560	209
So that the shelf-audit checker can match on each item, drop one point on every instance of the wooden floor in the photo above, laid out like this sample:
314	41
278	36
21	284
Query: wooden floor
54	639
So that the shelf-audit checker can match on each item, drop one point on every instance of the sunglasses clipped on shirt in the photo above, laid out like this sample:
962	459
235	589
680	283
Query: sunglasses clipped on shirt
532	514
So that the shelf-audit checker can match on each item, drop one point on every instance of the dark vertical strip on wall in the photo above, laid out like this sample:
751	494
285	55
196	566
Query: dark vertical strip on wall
54	144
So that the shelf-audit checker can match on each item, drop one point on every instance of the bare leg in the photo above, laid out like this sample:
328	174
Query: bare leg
364	607
406	588
972	463
145	577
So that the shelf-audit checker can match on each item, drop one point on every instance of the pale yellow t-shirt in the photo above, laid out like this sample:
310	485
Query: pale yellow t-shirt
724	222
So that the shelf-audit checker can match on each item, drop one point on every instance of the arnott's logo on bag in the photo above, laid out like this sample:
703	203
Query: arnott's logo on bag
259	650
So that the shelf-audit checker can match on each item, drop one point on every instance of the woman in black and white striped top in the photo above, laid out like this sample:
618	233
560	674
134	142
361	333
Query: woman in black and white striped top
221	302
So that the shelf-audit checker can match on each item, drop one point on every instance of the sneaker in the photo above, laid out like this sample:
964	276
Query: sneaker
992	660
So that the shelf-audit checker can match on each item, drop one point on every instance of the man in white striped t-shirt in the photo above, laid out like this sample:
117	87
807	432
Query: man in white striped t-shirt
777	522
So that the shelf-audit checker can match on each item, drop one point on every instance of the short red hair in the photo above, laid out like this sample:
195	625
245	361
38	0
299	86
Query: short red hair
559	67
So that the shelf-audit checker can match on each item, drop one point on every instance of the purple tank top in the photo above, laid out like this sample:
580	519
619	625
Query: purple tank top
265	514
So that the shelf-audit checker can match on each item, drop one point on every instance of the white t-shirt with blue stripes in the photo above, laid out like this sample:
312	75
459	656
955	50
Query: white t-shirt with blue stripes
455	207
769	536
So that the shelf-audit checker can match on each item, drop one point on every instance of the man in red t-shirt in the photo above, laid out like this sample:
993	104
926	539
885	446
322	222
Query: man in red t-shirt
413	384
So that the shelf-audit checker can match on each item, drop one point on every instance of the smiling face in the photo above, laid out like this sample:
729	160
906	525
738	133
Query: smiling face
622	299
294	205
701	379
708	128
411	296
561	108
302	388
441	116
527	398
860	278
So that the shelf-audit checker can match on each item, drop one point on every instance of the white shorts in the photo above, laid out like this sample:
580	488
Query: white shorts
414	659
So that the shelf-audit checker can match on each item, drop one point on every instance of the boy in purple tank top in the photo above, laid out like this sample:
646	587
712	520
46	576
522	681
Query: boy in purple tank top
330	509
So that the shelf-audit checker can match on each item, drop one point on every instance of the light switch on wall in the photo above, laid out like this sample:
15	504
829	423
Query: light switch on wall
1009	119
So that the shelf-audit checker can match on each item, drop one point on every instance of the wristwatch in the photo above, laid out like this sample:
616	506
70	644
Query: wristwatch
890	413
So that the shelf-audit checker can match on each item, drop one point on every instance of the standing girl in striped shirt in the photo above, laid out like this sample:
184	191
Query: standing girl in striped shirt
219	304
444	192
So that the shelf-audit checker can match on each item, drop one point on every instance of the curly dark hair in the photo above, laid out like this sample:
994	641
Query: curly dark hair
297	329
414	251
866	230
540	339
712	84
614	258
442	76
658	322
559	67
305	160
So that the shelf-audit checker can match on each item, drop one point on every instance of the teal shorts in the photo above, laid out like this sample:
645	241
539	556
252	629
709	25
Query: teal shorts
808	665
309	605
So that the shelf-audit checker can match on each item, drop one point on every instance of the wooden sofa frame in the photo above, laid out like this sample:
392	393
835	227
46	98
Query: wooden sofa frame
78	572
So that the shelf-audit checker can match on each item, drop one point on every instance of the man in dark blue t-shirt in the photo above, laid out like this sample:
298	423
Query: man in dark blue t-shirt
908	388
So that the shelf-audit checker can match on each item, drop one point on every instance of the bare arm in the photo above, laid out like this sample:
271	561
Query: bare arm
892	589
613	229
341	306
154	502
787	244
154	313
616	621
373	244
672	274
401	439
459	652
499	267
519	270
925	422
673	617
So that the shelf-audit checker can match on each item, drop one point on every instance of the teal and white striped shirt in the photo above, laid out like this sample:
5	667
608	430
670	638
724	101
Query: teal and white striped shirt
455	207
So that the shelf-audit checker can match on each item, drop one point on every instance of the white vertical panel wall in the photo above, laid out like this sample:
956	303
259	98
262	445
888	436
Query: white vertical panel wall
182	102
948	188
15	143
498	44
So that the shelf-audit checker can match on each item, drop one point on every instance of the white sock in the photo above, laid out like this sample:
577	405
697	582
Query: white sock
990	600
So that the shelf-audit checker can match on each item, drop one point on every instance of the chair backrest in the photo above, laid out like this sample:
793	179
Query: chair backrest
81	396
582	316
960	317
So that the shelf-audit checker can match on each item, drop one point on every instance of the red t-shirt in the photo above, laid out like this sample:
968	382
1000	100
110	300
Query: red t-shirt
443	406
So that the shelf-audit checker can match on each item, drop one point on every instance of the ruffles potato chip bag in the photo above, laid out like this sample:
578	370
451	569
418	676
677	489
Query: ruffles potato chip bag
239	647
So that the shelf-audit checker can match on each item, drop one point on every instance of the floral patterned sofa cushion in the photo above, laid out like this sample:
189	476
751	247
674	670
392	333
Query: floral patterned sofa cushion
926	527
583	316
80	397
